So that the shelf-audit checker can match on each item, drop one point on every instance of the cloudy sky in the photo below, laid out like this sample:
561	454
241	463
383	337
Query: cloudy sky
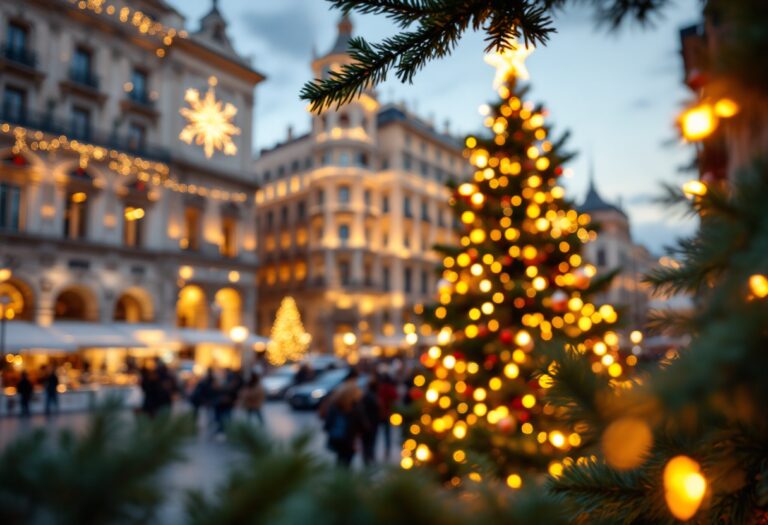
618	93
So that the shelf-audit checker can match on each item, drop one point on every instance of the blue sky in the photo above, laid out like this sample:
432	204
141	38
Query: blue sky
618	93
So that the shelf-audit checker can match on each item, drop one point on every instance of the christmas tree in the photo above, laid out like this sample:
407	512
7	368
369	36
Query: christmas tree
514	308
289	341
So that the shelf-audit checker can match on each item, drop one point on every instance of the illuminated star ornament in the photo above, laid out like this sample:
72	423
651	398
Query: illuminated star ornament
209	121
509	62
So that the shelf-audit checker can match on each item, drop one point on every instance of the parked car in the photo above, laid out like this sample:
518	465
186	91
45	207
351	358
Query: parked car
311	394
322	362
279	380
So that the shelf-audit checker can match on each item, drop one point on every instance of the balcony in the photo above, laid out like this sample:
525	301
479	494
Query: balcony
139	102
84	78
20	55
47	123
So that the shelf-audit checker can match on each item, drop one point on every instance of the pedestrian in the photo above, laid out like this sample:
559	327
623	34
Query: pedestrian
372	412
51	392
344	419
225	395
25	390
202	394
252	398
388	395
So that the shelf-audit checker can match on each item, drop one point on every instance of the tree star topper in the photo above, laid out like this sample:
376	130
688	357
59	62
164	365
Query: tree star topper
509	62
209	121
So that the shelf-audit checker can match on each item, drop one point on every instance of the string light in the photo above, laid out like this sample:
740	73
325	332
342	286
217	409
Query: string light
758	285
209	121
684	487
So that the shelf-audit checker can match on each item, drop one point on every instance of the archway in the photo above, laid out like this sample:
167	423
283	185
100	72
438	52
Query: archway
134	306
76	303
191	308
20	300
230	308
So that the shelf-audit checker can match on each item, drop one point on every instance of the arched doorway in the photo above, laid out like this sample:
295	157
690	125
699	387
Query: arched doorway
134	306
76	303
19	300
191	308
230	307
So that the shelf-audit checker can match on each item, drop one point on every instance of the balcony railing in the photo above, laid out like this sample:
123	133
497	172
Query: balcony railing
20	55
109	139
84	78
141	98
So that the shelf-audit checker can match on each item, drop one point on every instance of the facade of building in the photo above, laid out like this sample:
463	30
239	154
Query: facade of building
348	215
107	218
614	250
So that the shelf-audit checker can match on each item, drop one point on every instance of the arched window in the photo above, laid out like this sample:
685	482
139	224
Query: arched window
133	306
17	300
230	308
191	308
76	304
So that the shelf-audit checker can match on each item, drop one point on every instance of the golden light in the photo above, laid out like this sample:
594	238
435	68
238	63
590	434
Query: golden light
509	62
423	453
186	272
529	400
133	214
758	285
694	188
636	336
726	108
233	276
209	122
514	481
349	338
625	443
511	370
79	197
684	487
396	419
238	334
523	338
698	122
5	274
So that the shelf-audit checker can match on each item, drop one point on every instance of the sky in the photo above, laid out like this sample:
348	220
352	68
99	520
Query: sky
616	92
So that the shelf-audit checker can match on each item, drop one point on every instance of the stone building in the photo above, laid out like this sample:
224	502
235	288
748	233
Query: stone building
348	215
106	217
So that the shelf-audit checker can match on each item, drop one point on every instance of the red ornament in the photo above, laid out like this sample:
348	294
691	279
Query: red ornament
523	416
506	424
558	170
415	393
559	301
506	336
18	160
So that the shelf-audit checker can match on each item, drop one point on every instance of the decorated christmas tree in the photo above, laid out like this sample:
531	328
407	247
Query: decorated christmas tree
514	308
289	341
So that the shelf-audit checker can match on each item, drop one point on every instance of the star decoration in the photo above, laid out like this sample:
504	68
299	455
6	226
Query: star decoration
209	121
509	62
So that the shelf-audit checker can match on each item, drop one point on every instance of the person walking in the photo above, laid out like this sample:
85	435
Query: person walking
372	411
344	419
25	390
388	395
202	394
52	392
252	398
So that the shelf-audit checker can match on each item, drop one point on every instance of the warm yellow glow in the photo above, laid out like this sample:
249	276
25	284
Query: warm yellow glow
514	481
529	400
423	453
5	274
396	419
186	272
523	338
509	62
233	276
288	341
684	487
694	188
511	370
636	336
209	122
238	334
557	439
625	443
349	338
698	122
758	285
79	197
726	108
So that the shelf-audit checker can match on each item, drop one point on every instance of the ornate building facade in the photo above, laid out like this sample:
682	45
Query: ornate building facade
348	215
106	217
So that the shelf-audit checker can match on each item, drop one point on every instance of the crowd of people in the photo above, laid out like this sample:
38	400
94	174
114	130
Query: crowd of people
25	388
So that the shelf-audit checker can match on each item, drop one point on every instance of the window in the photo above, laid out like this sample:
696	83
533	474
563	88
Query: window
386	280
384	240
344	273
270	219
81	66
343	120
140	82
424	282
601	257
267	176
295	165
440	220
367	197
407	162
191	239
385	203
14	104
407	211
308	163
344	233
228	246
76	215
17	38
81	123
385	163
326	159
362	160
344	194
137	137
10	206
284	215
344	159
408	280
302	210
424	169
280	171
133	226
424	212
321	197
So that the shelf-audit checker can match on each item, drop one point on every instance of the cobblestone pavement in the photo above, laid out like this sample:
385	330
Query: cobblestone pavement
207	458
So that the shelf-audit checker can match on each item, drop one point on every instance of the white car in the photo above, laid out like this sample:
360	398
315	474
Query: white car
279	380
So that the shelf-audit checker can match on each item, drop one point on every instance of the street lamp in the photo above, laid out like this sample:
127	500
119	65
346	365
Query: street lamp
239	334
